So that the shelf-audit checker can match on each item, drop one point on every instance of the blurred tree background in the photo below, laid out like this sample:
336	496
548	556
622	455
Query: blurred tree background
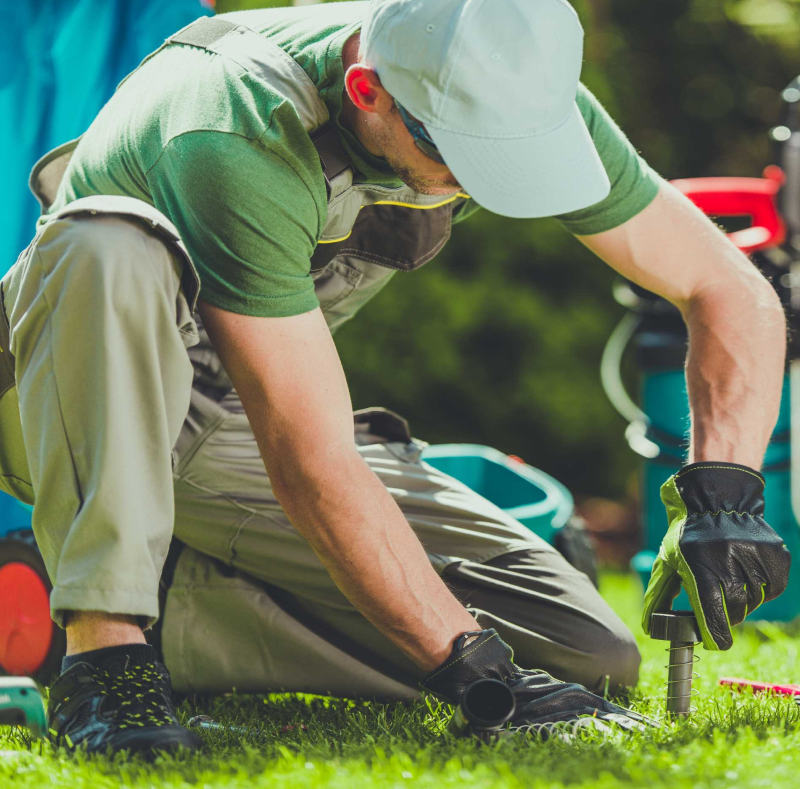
498	341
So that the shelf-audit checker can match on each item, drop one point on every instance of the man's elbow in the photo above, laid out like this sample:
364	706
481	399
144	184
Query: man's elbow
310	476
743	291
767	303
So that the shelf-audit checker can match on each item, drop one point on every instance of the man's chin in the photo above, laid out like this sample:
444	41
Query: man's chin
425	186
434	189
443	191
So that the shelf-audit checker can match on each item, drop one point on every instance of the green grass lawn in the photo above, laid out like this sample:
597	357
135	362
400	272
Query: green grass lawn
731	741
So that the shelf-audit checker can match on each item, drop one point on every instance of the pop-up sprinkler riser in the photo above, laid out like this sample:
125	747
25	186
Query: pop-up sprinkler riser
680	629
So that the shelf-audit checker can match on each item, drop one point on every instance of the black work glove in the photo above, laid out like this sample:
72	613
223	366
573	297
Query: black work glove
540	699
719	546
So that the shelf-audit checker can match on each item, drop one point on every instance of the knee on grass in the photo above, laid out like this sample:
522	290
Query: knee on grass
612	661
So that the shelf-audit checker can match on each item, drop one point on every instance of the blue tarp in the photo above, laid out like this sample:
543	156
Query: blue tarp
59	63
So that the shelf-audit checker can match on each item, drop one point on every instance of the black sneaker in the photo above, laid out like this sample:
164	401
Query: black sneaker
121	706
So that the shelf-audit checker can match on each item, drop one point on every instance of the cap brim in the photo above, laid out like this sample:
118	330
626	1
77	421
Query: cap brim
544	175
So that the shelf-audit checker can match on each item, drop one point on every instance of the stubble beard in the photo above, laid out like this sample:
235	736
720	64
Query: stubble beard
425	186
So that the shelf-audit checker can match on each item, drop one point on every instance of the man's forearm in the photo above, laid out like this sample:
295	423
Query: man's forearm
295	395
737	335
359	533
734	371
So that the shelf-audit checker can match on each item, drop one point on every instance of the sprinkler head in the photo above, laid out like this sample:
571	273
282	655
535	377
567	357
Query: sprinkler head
680	629
675	626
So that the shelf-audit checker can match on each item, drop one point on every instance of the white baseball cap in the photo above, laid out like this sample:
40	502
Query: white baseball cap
494	82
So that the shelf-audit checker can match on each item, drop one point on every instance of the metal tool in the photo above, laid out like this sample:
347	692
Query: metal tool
21	705
483	709
209	724
680	629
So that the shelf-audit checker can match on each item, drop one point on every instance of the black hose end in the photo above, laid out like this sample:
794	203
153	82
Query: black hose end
485	706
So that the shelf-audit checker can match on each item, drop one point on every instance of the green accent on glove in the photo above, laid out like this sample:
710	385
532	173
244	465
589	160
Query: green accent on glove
719	547
670	569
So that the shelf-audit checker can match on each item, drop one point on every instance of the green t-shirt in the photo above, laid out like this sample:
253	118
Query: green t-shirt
228	161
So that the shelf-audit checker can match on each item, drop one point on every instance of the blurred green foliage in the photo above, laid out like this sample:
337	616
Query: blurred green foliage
498	341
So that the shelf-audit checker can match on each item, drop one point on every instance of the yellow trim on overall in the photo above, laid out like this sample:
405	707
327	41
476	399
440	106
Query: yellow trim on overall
421	207
336	240
404	205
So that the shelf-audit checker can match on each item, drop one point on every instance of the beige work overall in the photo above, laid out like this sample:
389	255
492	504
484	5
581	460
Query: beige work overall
119	421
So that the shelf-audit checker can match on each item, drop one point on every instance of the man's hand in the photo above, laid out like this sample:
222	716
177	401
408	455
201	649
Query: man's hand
719	546
289	377
540	700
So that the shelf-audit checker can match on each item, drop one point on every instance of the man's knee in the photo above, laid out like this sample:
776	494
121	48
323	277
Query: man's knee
599	652
551	615
613	659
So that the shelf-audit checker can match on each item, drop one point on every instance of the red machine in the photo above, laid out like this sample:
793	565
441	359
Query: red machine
31	644
753	197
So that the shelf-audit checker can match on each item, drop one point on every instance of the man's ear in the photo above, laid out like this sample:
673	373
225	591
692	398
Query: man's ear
365	89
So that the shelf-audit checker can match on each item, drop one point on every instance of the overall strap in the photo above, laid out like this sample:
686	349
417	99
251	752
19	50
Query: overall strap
277	68
48	172
7	365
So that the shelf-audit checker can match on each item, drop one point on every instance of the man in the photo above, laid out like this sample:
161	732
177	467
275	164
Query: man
295	160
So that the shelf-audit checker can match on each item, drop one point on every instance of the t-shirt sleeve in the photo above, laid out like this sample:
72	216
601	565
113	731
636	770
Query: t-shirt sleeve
634	184
247	218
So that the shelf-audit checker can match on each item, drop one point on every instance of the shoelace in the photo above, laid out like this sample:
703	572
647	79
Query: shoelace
140	695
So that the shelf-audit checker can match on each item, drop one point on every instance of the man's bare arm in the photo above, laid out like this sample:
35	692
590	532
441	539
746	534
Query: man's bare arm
737	329
289	377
